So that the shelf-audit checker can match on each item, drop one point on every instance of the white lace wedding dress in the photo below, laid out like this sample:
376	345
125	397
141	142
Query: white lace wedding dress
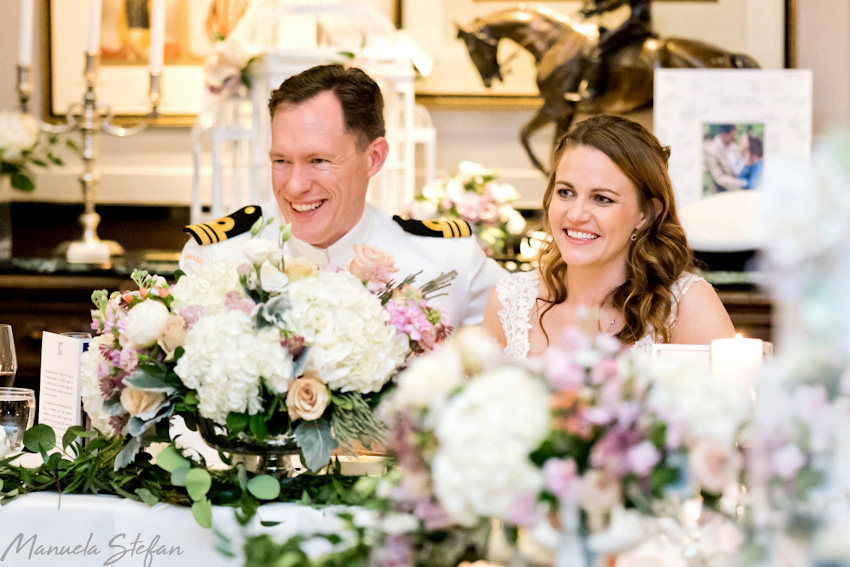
518	292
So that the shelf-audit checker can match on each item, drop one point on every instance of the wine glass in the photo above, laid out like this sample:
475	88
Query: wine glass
8	359
17	414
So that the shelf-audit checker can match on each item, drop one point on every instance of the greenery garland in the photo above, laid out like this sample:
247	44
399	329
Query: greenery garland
87	468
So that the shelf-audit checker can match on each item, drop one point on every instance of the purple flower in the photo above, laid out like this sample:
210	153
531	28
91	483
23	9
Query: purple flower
561	478
642	458
395	552
523	510
611	452
604	370
562	370
787	461
434	516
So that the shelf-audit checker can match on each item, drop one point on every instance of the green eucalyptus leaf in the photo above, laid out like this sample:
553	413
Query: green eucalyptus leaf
198	483
128	453
264	487
178	476
202	511
170	459
39	438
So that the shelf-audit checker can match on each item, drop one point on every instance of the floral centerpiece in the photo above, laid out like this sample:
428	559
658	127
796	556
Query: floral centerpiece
588	437
474	195
279	350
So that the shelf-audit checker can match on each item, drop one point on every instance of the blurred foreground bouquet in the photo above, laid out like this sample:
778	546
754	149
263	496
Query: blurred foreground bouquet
22	146
271	350
605	446
474	195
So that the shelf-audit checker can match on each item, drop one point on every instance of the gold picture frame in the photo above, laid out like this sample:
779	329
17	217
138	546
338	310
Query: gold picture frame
762	28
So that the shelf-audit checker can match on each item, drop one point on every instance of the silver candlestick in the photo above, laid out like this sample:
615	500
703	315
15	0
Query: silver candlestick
89	118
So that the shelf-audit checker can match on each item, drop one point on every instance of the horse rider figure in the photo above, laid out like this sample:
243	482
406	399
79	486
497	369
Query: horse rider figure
636	29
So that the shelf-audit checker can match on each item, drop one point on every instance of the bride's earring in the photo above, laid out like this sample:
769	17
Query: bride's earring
634	235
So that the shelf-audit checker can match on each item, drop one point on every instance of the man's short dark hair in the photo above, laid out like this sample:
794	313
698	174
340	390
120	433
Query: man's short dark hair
727	128
358	95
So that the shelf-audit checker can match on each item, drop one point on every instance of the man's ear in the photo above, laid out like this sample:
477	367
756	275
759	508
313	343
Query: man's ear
376	153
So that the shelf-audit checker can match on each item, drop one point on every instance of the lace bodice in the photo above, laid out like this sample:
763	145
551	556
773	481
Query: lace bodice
518	292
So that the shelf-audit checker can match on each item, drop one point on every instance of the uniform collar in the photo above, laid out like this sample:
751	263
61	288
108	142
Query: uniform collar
341	251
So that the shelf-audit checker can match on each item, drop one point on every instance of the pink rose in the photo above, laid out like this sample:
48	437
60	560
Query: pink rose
713	464
372	264
307	399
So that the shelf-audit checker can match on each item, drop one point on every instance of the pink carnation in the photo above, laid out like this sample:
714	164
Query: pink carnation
234	301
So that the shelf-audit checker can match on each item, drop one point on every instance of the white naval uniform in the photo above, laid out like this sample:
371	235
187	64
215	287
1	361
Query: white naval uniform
467	295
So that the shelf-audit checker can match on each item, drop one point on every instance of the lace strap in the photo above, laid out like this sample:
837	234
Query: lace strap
679	288
517	294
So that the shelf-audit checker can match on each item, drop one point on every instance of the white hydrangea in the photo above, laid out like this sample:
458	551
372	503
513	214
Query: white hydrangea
714	409
224	358
206	287
485	435
18	133
428	381
353	346
90	384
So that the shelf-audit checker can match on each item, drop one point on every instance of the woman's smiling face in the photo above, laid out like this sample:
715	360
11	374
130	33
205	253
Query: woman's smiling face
594	210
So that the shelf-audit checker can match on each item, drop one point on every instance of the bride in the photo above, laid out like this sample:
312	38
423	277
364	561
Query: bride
616	246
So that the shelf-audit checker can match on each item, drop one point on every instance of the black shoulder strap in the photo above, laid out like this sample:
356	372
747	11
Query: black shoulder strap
436	228
220	230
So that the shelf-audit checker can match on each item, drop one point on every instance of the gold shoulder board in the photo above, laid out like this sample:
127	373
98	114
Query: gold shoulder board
220	230
437	228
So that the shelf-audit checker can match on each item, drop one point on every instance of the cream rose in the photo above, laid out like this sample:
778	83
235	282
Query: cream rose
714	464
372	264
600	492
172	335
307	399
145	322
299	268
140	403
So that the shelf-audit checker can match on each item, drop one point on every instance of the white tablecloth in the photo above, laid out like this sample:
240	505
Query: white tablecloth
44	530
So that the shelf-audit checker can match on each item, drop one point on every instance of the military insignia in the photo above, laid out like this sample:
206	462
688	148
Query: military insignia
437	228
220	230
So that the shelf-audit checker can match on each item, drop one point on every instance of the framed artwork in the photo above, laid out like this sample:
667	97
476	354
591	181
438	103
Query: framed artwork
724	127
123	81
753	27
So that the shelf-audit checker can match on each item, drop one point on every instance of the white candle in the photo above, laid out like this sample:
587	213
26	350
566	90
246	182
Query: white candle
93	45
736	360
25	37
157	36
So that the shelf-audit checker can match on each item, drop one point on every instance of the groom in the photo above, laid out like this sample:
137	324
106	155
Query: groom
327	141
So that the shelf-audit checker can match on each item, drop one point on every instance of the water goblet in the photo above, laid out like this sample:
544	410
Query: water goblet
8	359
17	414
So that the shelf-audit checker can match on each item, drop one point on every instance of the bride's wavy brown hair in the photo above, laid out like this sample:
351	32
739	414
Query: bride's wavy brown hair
658	255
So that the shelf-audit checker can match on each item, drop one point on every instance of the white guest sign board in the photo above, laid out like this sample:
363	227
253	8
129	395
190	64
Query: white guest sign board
690	108
59	402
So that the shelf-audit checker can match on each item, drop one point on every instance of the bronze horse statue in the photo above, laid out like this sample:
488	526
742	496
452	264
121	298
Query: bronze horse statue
556	42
